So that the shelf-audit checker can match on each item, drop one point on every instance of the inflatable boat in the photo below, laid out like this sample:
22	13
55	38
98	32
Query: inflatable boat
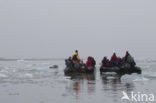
78	68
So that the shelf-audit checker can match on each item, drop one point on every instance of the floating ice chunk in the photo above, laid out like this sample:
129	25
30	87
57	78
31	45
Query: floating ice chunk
63	79
141	79
3	75
150	74
20	60
29	75
110	73
26	75
110	77
133	78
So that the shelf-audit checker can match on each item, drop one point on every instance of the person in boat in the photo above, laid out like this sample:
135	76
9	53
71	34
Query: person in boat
119	61
114	59
76	58
122	60
70	58
104	60
93	61
129	59
89	62
108	63
69	61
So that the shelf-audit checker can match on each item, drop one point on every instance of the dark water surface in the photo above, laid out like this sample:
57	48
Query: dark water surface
33	82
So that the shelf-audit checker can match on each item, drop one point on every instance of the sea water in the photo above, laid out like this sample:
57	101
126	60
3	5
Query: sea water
34	82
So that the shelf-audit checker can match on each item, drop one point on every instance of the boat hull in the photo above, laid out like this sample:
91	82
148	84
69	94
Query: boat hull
121	70
83	69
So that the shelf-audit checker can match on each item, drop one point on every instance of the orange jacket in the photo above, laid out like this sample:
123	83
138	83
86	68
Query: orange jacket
78	59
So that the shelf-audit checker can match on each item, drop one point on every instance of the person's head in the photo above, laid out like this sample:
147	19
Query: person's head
119	58
114	53
105	57
127	52
70	58
89	58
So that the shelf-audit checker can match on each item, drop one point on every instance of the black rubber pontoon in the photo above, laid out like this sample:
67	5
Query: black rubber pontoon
122	69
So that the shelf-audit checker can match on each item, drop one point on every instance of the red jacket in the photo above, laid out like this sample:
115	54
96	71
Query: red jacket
114	58
89	62
107	64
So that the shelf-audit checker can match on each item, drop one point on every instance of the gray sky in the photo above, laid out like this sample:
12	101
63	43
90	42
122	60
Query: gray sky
55	28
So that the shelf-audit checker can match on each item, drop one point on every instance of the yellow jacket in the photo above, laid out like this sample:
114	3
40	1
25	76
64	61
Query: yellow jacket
78	58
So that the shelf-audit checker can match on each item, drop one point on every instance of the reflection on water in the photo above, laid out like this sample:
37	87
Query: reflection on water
113	82
108	86
110	82
79	81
